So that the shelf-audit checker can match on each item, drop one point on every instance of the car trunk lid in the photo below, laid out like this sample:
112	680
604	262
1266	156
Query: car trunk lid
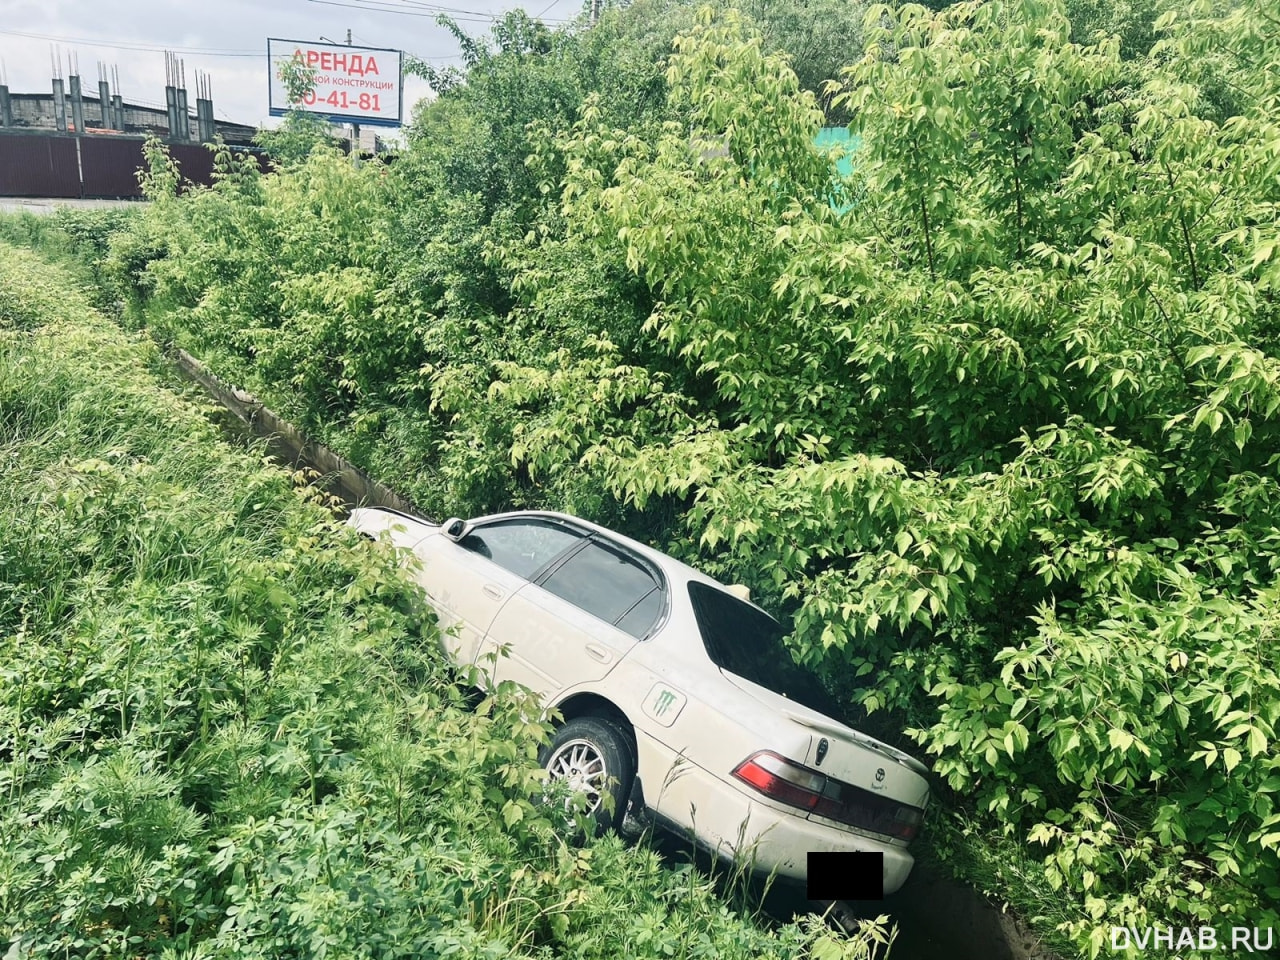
849	757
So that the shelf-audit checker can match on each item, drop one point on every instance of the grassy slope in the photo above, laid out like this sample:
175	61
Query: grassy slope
225	731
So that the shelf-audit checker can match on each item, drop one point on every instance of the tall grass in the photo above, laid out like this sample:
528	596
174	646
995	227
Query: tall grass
76	240
225	726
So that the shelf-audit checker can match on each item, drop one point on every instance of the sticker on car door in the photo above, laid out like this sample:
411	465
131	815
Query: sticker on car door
663	704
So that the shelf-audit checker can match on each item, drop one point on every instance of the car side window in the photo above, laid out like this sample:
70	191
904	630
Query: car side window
610	585
640	618
522	546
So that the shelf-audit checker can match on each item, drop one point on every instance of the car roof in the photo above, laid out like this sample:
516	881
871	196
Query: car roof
674	569
668	563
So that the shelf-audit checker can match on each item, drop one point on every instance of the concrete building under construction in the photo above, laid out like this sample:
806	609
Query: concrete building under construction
71	142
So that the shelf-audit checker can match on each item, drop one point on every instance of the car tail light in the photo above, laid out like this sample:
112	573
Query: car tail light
906	824
798	786
782	780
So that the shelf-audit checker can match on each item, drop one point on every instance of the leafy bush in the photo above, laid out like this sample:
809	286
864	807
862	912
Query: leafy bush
78	239
1003	433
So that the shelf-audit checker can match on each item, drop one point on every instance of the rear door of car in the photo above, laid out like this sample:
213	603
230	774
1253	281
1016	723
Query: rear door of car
471	580
581	617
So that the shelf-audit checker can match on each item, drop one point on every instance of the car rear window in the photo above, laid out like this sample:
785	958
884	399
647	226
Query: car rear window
747	642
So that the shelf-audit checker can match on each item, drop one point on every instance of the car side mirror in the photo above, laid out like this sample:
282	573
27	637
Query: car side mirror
455	528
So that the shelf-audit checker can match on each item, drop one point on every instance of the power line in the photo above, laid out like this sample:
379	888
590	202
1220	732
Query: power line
405	13
481	18
423	4
546	8
419	10
396	6
134	45
364	42
191	51
391	6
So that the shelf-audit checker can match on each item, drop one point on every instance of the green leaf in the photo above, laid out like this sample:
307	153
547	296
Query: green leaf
1257	742
512	813
1242	432
1119	739
1230	758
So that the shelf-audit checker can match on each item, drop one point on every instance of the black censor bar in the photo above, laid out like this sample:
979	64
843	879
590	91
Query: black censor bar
846	875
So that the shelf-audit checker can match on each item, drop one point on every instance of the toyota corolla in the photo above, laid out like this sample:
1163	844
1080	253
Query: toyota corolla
675	696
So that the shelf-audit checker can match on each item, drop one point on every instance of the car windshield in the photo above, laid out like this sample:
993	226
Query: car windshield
747	642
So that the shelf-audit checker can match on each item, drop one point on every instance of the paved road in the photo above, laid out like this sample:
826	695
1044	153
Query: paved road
40	205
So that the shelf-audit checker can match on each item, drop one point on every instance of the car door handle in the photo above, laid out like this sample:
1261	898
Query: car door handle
597	652
492	590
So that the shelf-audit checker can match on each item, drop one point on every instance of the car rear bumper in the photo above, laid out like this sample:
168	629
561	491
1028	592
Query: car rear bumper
733	823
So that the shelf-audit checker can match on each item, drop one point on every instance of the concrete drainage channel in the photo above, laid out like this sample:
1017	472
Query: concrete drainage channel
338	476
938	918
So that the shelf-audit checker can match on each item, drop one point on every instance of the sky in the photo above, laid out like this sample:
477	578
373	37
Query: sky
227	39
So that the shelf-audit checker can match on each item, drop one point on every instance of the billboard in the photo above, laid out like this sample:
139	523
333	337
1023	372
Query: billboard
353	84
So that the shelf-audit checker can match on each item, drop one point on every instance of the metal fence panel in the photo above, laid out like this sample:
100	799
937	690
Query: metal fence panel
38	166
46	165
111	166
195	162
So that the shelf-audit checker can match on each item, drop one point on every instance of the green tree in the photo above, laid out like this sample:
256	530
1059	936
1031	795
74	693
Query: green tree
1002	434
818	37
301	130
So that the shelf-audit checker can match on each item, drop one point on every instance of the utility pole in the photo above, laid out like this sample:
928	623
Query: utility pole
595	11
355	128
6	106
77	98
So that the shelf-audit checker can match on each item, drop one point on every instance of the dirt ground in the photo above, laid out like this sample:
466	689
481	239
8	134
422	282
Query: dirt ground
41	205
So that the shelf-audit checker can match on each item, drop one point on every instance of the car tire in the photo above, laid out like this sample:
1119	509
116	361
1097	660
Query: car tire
593	752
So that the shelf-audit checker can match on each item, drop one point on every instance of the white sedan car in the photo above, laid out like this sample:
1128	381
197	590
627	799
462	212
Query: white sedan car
678	698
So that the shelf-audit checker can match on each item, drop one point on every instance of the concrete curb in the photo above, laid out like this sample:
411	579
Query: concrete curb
288	444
